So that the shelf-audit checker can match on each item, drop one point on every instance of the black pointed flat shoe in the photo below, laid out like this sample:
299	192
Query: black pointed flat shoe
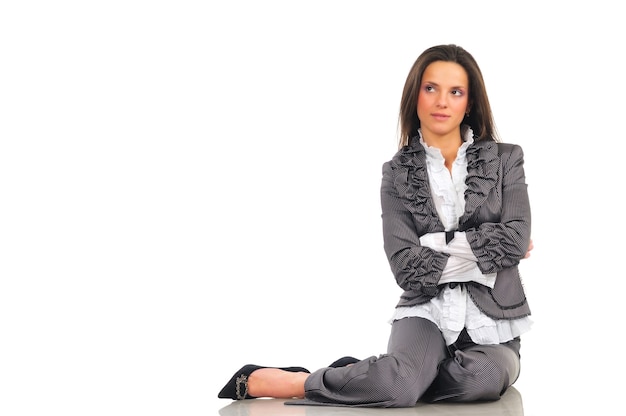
344	361
237	386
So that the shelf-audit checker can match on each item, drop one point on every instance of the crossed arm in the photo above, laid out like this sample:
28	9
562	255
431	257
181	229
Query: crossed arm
462	264
477	254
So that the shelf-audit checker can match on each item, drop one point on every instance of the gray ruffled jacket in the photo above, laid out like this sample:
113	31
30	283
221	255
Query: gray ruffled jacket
496	221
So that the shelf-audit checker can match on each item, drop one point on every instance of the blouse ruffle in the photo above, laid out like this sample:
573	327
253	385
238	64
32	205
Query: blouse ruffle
454	310
411	179
451	204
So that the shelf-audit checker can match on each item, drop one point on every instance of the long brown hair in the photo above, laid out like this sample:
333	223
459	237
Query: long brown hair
480	117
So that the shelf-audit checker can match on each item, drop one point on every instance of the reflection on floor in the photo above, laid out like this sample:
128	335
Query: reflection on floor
509	405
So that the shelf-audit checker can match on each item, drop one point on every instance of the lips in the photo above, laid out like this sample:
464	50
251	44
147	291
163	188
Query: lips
439	116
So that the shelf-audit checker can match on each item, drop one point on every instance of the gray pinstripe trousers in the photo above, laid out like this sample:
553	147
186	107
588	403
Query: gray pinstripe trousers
419	367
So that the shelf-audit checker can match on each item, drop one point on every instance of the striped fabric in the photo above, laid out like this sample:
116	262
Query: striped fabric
418	366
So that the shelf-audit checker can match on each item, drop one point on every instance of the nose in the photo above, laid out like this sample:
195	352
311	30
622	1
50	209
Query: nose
442	101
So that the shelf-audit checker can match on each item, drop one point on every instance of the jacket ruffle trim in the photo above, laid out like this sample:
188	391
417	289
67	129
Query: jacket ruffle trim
483	166
411	180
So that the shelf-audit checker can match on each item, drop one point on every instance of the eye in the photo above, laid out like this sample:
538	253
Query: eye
458	92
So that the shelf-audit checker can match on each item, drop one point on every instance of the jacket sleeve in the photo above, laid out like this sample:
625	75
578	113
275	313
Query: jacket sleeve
414	267
499	245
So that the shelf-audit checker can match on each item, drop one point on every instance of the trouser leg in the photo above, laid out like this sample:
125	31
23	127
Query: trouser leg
395	379
476	372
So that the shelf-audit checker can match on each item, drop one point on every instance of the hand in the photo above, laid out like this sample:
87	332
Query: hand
530	247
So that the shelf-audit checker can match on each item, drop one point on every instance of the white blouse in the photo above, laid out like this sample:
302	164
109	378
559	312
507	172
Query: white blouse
453	309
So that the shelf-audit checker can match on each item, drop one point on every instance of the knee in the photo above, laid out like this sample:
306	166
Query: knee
485	377
388	385
402	393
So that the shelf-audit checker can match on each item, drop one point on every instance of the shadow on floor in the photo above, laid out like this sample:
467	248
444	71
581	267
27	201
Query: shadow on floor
509	405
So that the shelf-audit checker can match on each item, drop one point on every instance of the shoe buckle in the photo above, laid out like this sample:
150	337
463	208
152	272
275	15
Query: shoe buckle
242	379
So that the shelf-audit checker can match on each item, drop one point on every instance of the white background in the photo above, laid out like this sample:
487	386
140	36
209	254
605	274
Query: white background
187	187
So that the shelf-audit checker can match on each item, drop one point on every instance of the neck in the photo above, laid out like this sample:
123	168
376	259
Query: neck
441	141
448	145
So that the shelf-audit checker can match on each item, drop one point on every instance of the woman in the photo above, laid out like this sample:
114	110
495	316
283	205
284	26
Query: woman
456	223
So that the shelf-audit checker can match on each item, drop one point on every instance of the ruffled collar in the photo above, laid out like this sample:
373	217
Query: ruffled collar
434	154
411	179
448	187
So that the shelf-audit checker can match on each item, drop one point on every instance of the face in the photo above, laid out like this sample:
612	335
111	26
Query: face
442	100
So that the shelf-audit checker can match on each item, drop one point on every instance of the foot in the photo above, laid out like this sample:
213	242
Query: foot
237	386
